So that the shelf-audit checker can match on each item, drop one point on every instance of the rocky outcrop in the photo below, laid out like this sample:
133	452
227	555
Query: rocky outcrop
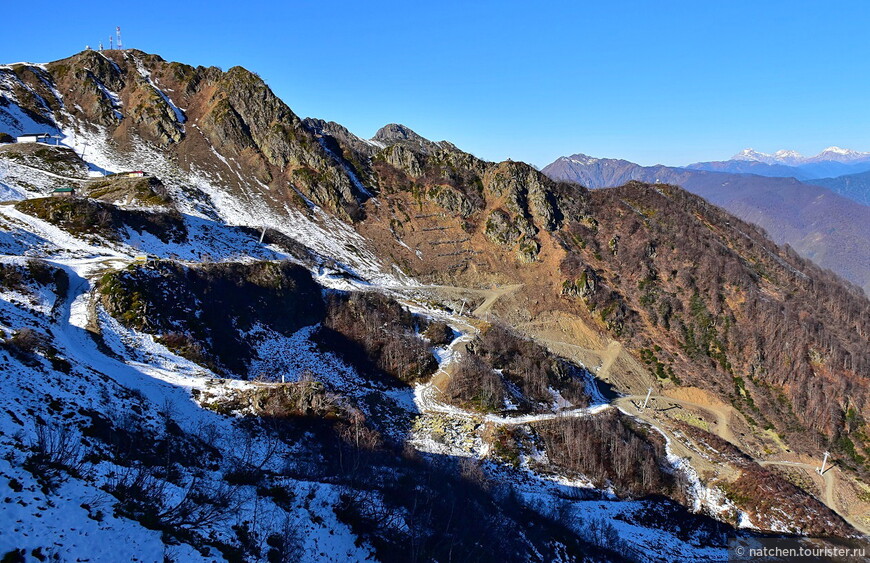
507	232
451	199
500	229
246	117
584	286
27	86
403	158
527	192
117	94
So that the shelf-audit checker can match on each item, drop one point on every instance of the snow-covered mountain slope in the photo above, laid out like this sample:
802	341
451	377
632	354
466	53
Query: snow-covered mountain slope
79	417
90	404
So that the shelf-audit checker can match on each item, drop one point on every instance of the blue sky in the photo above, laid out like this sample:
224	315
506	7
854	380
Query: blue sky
653	82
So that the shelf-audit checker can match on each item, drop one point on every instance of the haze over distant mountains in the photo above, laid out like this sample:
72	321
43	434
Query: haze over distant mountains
821	225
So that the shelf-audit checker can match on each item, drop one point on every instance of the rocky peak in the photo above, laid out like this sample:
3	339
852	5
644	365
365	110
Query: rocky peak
394	133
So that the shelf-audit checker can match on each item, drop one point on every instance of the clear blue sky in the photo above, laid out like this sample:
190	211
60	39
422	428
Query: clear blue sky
649	81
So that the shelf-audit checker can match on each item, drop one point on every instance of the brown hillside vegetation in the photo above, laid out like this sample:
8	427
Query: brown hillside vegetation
708	299
766	497
611	450
819	224
700	297
501	365
378	335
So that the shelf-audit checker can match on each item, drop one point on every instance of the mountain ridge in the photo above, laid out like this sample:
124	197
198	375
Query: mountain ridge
812	214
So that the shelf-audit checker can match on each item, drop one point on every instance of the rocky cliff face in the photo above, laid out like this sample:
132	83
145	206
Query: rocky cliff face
131	97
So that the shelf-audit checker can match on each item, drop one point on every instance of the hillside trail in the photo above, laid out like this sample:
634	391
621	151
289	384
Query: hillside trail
606	356
493	295
427	395
74	315
630	405
722	414
490	295
596	354
829	477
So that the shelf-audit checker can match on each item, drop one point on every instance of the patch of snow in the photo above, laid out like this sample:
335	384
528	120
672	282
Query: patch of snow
146	74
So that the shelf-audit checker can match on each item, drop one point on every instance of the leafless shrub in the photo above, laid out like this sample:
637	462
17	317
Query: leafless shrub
285	544
358	434
26	341
150	500
471	469
55	450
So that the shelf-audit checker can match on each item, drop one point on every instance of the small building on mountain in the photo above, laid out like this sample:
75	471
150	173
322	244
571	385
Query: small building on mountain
33	138
64	192
134	174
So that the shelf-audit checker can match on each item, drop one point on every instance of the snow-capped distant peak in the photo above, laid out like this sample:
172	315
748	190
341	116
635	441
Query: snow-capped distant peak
838	154
751	154
580	159
787	154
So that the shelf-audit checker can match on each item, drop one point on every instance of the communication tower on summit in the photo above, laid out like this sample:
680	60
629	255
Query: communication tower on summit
110	42
118	31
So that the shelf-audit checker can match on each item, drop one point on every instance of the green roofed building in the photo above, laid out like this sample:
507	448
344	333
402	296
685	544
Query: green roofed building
63	192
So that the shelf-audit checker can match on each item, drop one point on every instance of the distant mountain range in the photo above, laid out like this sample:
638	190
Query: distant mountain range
831	162
821	225
794	158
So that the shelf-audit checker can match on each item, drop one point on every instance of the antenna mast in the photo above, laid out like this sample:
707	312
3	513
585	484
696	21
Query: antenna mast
118	31
110	42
